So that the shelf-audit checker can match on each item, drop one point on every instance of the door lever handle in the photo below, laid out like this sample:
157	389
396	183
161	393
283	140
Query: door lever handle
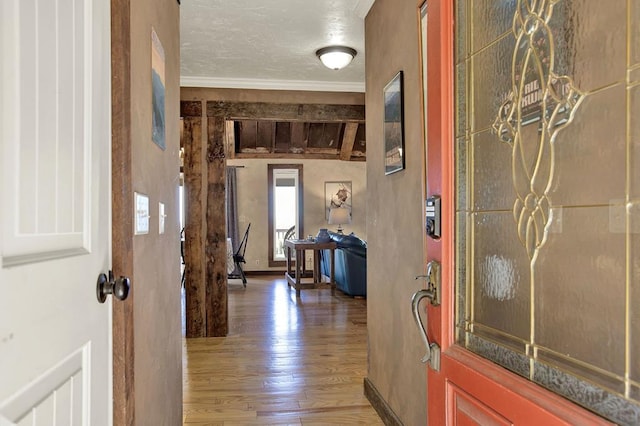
432	292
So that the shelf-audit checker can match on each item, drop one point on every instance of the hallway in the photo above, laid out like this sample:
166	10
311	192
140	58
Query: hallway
285	361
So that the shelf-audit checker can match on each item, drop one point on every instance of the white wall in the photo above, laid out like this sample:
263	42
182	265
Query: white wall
253	201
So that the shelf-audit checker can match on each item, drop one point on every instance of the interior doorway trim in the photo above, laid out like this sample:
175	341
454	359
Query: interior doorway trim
122	205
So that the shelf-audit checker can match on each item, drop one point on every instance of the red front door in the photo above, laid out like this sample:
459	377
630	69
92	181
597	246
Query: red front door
468	388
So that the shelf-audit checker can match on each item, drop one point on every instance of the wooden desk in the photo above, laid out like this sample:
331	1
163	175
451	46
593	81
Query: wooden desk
295	278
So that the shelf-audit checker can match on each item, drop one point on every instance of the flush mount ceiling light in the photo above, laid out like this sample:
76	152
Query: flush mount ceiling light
336	57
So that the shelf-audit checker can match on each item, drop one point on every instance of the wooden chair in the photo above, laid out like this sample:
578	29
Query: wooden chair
291	232
184	268
238	257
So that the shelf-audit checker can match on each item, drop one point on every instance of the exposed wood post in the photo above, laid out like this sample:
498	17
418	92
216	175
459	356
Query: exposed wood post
195	294
350	131
230	146
215	244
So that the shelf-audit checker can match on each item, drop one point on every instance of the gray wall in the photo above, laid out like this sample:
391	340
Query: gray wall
394	220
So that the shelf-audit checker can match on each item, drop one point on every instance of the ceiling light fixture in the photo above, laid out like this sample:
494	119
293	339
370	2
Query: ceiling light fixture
336	57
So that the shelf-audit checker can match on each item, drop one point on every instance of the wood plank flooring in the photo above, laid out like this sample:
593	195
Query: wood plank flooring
286	361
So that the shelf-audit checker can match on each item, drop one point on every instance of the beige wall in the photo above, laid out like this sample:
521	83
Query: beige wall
158	351
394	221
253	201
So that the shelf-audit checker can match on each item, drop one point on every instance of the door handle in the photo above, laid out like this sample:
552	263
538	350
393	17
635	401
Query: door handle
119	287
432	292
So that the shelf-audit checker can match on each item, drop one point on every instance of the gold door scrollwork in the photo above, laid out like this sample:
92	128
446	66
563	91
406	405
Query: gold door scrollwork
541	98
550	87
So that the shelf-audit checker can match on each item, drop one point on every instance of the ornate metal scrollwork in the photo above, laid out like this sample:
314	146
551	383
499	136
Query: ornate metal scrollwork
538	96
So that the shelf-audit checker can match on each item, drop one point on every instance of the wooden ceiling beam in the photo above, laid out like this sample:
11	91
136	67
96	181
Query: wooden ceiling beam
350	131
190	108
280	155
356	156
285	112
299	137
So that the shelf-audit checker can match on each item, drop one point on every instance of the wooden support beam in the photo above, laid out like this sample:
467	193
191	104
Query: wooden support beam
266	135
299	137
360	145
194	228
190	108
248	132
350	131
285	112
282	137
230	141
307	156
216	241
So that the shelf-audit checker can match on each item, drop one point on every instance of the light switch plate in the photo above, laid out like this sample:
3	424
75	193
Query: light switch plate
161	217
141	218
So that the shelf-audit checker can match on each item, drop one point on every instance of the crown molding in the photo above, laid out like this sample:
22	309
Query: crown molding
362	7
243	83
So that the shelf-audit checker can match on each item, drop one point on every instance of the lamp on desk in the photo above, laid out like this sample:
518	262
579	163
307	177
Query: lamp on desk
339	217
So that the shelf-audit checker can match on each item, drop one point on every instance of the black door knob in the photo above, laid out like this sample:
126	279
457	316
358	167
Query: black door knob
119	287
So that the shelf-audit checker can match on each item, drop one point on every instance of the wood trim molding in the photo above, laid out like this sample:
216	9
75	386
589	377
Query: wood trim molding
122	206
380	405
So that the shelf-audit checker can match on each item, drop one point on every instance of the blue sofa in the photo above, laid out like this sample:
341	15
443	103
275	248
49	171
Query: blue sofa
350	264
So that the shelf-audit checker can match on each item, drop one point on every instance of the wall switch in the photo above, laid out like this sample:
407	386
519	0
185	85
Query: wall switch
161	217
141	214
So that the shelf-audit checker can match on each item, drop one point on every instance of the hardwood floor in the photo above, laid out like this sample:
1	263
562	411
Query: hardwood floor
286	361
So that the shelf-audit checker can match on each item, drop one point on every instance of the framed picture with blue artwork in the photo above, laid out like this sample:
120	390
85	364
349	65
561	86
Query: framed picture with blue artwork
157	91
393	125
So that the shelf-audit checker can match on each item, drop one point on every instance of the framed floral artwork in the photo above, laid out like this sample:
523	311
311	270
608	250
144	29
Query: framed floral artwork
337	195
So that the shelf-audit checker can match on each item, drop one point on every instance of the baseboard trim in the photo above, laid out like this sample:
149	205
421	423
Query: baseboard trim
380	405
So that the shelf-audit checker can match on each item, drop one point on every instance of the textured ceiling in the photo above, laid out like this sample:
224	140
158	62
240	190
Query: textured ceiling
270	44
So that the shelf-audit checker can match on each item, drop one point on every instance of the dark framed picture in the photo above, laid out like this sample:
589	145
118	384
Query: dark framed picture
393	125
157	91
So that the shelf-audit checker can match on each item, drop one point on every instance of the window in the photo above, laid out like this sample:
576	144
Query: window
285	208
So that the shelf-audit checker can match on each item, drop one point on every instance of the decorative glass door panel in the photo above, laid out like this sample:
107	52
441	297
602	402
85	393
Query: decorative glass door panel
547	97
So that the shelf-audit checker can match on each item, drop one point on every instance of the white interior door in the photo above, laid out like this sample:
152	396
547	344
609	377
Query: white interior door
55	212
